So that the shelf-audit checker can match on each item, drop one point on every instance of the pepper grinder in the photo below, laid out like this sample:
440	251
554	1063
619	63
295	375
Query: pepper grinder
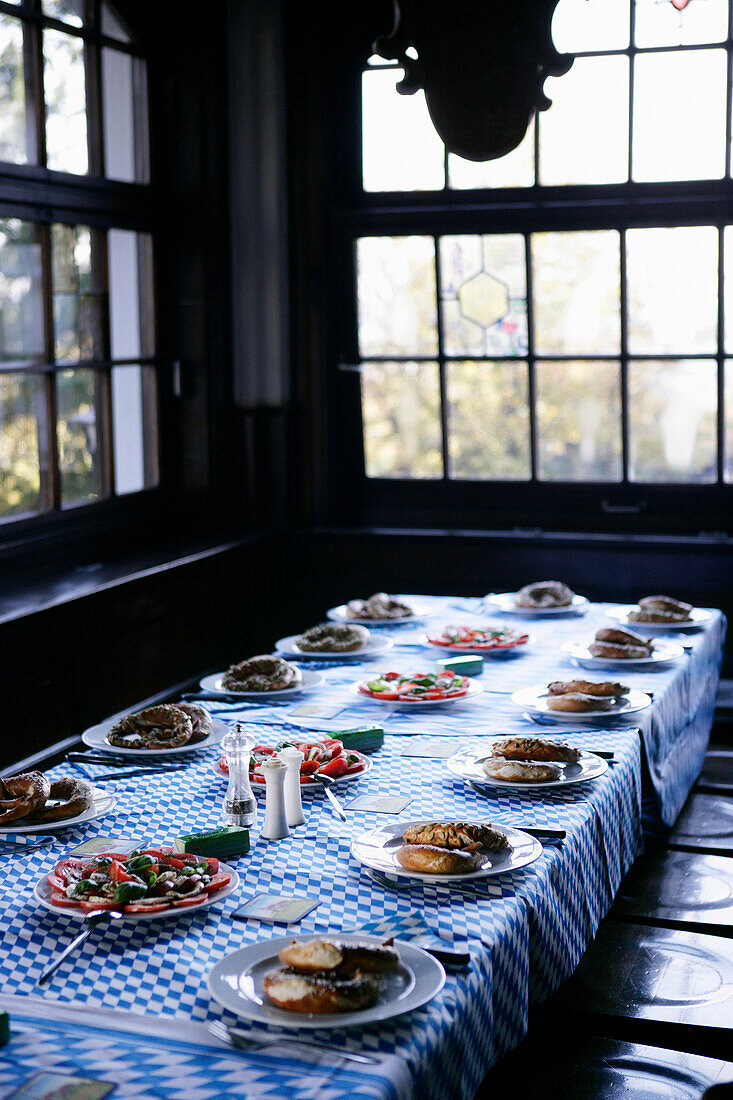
293	758
276	823
239	806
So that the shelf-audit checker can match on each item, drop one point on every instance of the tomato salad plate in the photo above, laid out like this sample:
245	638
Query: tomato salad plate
492	641
307	681
415	689
325	757
145	884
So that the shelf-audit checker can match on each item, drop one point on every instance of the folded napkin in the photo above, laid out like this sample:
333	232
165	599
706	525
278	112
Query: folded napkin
26	840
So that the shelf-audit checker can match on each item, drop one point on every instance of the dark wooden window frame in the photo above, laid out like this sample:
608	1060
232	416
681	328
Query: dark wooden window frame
606	507
42	196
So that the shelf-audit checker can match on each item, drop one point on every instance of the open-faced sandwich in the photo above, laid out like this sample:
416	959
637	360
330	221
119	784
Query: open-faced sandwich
327	976
448	847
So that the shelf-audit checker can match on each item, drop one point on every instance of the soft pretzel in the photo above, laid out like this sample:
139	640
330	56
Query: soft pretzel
156	727
74	797
261	673
21	795
334	638
463	835
544	594
379	606
201	720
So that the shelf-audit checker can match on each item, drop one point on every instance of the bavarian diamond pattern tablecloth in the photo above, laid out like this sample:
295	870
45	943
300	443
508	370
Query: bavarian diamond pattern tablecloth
526	931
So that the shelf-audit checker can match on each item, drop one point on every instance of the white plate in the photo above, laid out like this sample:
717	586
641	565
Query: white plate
662	654
307	682
236	983
505	601
288	647
377	848
42	893
104	801
698	617
474	688
465	650
96	738
535	699
420	611
467	765
310	788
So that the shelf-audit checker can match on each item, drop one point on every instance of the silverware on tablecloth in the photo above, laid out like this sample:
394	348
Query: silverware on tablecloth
326	782
243	1041
93	918
113	761
23	844
223	697
150	770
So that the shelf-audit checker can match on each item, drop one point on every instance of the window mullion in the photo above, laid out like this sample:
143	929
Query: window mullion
441	364
531	380
48	437
625	453
721	356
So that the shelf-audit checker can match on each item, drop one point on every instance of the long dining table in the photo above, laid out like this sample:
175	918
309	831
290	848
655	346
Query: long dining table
131	1006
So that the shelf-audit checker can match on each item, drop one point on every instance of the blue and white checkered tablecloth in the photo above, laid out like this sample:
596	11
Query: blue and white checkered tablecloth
526	931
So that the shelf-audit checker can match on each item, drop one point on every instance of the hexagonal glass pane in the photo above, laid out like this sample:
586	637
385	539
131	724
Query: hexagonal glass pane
396	285
401	413
401	150
579	421
679	115
483	292
673	421
577	303
672	289
584	134
488	421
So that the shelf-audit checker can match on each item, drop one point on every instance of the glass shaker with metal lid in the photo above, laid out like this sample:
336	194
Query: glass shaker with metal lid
240	806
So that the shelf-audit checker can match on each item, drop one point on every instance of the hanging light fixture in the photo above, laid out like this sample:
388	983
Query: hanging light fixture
481	64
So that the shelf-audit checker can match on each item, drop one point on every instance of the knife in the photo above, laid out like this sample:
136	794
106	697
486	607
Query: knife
151	770
94	918
326	782
114	761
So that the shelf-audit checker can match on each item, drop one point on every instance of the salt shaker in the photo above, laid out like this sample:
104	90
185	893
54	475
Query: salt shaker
293	758
240	807
276	823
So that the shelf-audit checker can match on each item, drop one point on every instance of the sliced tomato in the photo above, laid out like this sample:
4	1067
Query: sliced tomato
224	764
98	904
307	767
173	861
156	853
357	767
56	883
218	882
378	694
63	902
197	899
135	907
117	873
212	864
69	869
335	768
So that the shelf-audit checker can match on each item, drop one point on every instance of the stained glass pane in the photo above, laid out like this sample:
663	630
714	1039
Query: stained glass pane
672	286
683	23
579	421
79	299
672	421
488	417
516	169
21	302
401	413
483	290
76	399
19	459
576	293
13	134
400	149
65	93
584	134
397	312
679	115
581	26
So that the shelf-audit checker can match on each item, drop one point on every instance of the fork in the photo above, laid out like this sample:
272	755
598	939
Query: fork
240	1040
